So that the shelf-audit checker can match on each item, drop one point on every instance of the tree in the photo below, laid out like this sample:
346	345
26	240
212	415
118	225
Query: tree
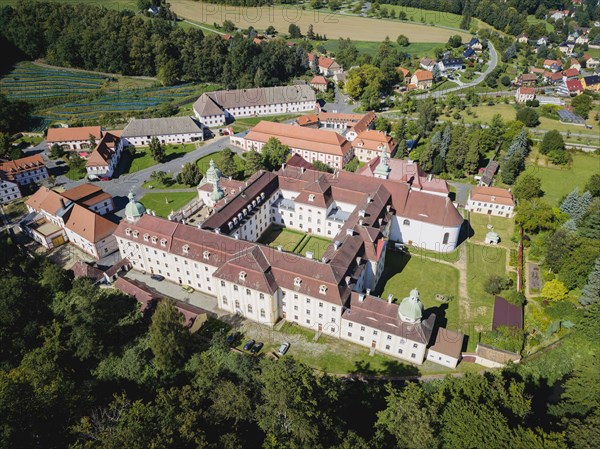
593	185
582	105
310	34
92	141
576	205
383	124
294	31
76	165
314	65
157	150
554	290
455	41
505	80
227	163
322	166
427	116
552	143
495	284
402	41
168	73
228	26
535	216
253	163
351	165
274	154
169	339
591	291
528	116
54	278
56	152
410	417
527	187
190	175
497	127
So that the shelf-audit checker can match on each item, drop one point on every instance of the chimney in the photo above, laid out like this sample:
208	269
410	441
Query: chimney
236	235
283	166
279	248
361	213
350	232
336	245
390	298
309	254
302	170
380	222
62	203
368	291
369	199
348	279
361	297
360	222
324	259
358	259
429	177
217	230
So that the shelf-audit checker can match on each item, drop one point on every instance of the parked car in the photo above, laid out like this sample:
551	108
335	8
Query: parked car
283	348
157	277
231	338
187	288
249	344
256	348
105	178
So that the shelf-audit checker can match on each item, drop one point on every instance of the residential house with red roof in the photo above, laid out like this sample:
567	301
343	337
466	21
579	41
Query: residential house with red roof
73	139
104	159
319	83
574	87
24	171
422	79
369	144
524	94
491	201
527	80
327	66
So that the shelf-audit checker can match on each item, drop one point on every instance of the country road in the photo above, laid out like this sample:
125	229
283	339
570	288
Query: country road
492	65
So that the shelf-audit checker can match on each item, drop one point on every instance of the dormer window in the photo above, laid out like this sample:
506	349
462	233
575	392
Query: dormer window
163	242
186	249
311	197
128	231
242	275
406	222
135	234
146	237
206	255
154	239
323	289
297	282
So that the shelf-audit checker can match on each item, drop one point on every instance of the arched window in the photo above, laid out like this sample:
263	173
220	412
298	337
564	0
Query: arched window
406	223
446	237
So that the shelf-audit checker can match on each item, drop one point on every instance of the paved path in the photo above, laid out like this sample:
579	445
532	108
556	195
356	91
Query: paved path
203	27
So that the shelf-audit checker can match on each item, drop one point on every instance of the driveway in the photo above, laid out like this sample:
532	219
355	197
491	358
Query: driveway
462	192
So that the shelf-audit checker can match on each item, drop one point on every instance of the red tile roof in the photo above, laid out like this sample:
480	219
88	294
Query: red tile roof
423	75
574	86
11	168
492	195
320	80
526	90
73	134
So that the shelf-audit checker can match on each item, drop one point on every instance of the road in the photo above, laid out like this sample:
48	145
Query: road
491	66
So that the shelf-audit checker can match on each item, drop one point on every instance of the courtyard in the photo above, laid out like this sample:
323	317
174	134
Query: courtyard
295	241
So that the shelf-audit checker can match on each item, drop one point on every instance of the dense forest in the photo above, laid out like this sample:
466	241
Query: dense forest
93	38
80	368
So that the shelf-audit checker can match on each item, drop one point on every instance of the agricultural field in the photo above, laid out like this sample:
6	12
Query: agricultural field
558	181
439	18
420	49
334	25
164	202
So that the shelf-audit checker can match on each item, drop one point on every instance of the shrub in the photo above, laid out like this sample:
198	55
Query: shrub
495	284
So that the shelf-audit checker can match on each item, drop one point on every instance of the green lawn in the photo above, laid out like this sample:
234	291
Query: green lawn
164	203
403	272
426	16
172	184
482	262
415	48
447	84
75	175
317	245
243	124
558	181
503	226
204	162
289	239
142	158
534	20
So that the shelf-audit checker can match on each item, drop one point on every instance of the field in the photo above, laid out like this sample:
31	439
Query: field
370	47
143	159
164	203
334	25
446	19
482	262
403	272
557	181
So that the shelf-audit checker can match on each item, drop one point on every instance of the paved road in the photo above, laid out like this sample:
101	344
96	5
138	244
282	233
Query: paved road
491	66
462	192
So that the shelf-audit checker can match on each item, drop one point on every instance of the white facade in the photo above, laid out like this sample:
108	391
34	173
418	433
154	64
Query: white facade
424	235
9	191
108	168
30	176
165	139
442	359
490	208
212	120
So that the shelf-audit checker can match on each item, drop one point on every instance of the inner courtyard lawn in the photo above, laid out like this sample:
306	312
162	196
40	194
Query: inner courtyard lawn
164	203
403	272
143	159
503	226
287	238
317	245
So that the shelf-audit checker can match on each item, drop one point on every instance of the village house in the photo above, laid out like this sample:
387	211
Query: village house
220	107
523	38
553	65
422	79
590	62
591	82
327	66
542	41
369	144
427	64
9	190
312	144
168	130
475	44
447	348
527	80
319	83
104	159
558	14
582	39
574	87
524	94
23	171
404	74
73	139
91	197
570	74
450	64
491	201
469	53
54	219
574	64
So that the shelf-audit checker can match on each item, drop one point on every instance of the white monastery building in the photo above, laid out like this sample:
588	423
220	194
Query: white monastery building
221	107
491	201
24	171
167	130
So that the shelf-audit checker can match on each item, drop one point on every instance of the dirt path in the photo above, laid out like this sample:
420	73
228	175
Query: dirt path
48	66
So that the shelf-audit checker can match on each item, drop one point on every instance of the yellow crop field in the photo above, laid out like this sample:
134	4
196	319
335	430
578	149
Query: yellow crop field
333	25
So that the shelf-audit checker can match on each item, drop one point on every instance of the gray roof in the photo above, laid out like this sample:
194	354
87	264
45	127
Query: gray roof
213	103
161	126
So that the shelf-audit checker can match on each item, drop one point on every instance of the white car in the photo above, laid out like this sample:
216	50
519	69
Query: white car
283	348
